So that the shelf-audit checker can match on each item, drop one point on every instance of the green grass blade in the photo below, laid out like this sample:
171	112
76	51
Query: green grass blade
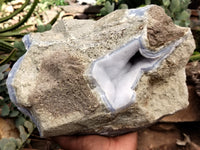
9	34
1	3
195	57
54	19
5	46
8	39
23	20
5	60
15	32
15	12
23	28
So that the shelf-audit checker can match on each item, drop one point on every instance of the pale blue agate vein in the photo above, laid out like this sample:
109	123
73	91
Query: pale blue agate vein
118	73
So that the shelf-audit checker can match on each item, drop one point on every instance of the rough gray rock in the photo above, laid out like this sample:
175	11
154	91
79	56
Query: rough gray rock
111	76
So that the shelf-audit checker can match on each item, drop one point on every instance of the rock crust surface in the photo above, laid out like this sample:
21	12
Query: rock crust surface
55	84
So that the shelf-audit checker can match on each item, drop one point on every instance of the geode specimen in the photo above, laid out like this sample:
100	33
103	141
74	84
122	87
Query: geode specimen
107	77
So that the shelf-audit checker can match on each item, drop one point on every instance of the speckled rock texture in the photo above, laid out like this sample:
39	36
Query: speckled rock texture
108	77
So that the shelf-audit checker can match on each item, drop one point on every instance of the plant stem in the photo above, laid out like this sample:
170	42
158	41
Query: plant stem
23	20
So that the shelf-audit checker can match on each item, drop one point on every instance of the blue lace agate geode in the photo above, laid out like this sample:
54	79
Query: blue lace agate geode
107	77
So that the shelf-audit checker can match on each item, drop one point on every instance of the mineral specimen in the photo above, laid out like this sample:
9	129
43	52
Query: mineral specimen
109	77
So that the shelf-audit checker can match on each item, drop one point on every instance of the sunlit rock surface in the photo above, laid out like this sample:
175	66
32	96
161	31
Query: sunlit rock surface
109	77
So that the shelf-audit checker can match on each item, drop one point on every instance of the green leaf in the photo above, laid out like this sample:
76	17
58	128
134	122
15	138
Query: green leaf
29	126
175	6
183	23
20	46
147	2
108	8
21	50
177	22
23	134
187	23
20	121
196	52
3	142
166	3
103	11
10	146
184	4
184	15
5	110
43	28
123	6
60	3
14	113
4	68
12	139
18	142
